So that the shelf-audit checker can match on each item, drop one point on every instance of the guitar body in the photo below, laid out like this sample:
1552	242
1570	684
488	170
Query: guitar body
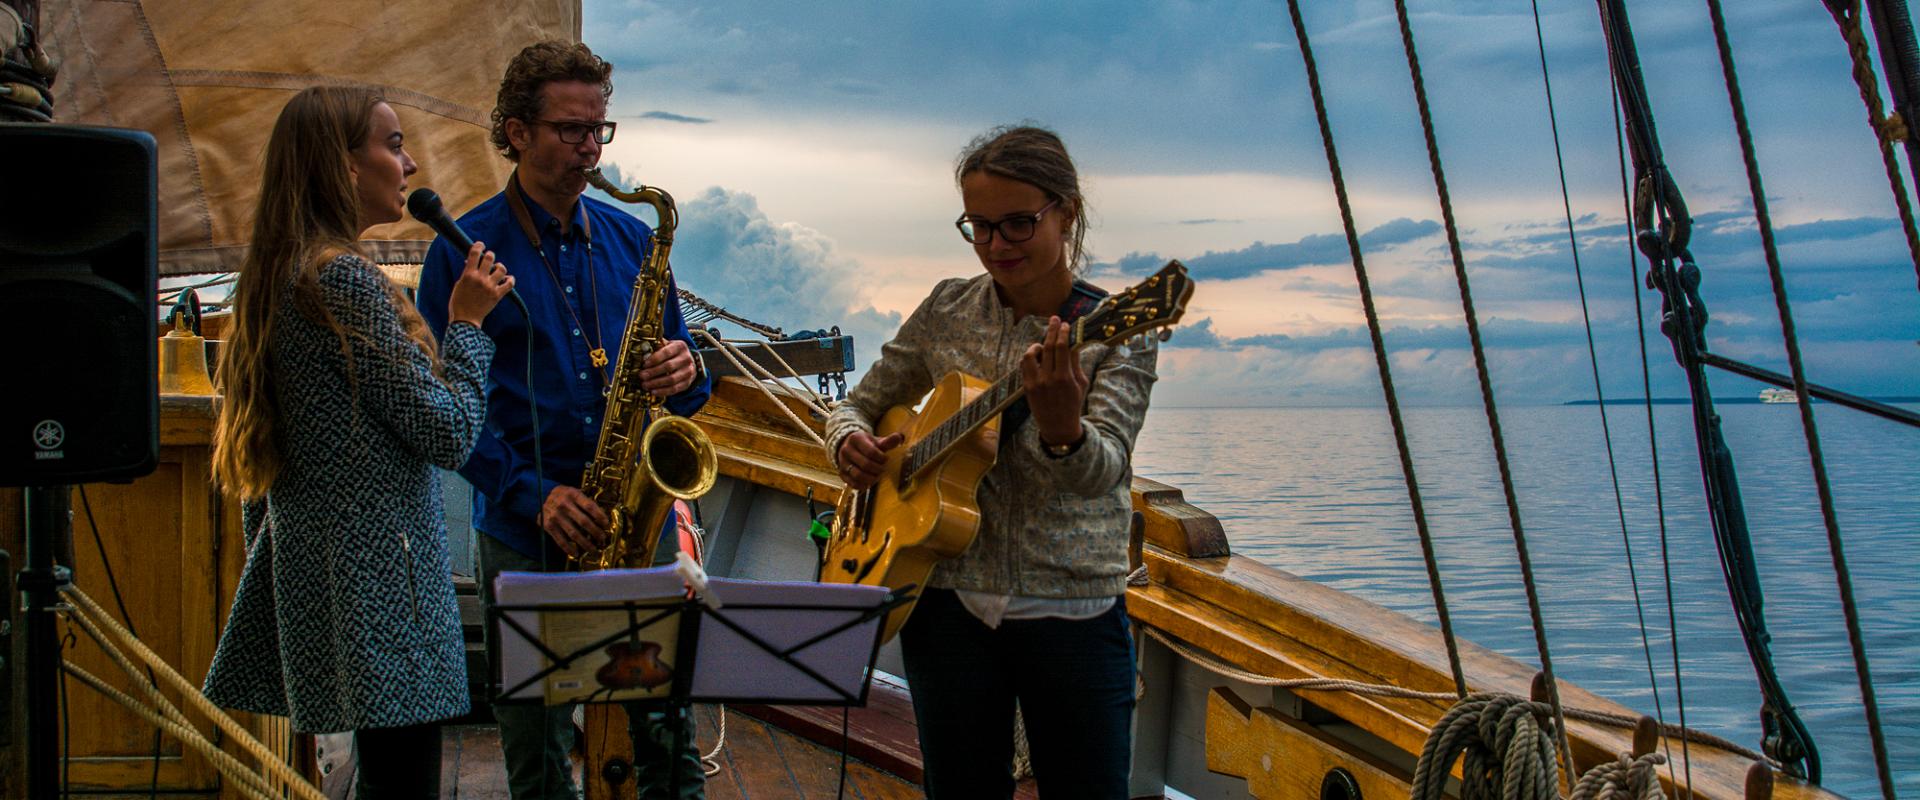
633	665
898	531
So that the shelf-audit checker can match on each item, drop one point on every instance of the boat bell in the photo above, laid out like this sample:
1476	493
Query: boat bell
183	353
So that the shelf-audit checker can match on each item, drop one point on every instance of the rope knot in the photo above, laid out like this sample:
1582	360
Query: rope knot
1892	128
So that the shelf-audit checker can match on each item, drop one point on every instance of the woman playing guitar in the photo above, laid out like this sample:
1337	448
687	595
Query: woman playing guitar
1033	610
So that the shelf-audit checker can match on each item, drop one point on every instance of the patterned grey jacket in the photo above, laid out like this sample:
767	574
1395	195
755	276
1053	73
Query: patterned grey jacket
345	615
1049	527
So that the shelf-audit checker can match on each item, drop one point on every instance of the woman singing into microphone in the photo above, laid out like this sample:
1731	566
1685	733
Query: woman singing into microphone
338	406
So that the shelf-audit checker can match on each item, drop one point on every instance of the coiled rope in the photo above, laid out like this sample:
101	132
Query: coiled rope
1626	778
1506	747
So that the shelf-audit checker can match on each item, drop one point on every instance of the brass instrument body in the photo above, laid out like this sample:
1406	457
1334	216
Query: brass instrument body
637	473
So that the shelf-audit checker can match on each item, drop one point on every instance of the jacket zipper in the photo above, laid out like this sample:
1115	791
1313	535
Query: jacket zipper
413	596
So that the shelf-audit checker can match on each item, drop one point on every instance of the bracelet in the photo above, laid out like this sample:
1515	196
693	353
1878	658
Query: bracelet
1064	450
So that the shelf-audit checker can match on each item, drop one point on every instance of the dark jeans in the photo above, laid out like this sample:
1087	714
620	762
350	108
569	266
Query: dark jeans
535	739
1073	679
398	763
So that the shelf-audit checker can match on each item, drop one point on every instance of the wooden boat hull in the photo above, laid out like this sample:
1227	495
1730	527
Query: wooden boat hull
1198	732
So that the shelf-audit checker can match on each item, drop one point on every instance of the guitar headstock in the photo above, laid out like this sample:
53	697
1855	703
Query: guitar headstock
1157	302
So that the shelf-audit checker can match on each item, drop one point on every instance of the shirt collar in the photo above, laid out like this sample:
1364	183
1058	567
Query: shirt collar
536	222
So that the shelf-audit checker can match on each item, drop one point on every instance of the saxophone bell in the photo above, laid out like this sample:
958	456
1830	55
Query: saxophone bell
677	462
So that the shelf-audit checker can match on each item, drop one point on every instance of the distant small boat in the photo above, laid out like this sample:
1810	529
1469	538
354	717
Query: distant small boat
1778	396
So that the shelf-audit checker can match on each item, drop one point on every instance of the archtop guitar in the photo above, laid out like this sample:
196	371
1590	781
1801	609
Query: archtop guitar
924	509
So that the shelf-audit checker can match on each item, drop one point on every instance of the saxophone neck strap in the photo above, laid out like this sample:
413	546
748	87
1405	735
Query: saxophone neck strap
597	354
517	201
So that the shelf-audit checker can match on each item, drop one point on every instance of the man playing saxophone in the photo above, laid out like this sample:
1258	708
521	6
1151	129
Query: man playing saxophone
575	260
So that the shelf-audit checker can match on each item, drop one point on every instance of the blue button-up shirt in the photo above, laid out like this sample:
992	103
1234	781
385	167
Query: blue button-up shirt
576	299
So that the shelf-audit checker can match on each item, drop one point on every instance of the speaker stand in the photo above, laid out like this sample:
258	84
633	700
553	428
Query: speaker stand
49	530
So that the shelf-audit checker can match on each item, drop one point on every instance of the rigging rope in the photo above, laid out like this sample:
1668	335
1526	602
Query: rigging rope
1653	448
729	351
1888	128
1593	361
706	310
1486	382
1379	350
1827	513
1662	231
811	400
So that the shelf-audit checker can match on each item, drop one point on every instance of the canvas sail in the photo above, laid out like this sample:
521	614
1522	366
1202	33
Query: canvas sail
208	77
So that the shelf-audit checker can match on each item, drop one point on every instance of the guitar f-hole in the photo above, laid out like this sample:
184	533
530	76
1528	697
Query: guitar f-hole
885	542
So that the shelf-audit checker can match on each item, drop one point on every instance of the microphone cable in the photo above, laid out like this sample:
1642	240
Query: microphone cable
424	204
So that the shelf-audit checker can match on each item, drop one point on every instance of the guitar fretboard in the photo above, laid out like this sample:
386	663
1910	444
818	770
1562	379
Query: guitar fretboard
963	423
1156	302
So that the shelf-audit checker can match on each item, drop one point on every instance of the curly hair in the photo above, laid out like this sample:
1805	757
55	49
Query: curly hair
530	71
1032	155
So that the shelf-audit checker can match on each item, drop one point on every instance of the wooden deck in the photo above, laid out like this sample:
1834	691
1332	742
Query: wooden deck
759	761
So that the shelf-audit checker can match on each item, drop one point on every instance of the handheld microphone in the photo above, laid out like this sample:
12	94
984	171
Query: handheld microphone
425	206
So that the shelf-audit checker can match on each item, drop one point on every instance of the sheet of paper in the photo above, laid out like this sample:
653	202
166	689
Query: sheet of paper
627	668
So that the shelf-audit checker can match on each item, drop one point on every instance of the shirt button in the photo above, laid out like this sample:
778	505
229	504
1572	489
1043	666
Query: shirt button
563	248
576	331
589	420
569	290
583	376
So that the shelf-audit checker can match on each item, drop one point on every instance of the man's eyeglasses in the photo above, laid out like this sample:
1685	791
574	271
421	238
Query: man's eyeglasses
1012	230
576	132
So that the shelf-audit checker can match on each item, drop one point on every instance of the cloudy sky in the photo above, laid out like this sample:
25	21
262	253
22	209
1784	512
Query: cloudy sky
811	147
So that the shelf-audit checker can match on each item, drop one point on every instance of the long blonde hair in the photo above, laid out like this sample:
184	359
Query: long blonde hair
308	213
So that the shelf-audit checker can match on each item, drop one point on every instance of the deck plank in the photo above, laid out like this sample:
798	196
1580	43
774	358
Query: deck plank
760	762
478	773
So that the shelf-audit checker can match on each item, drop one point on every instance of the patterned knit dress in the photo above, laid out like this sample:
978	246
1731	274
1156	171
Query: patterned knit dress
345	616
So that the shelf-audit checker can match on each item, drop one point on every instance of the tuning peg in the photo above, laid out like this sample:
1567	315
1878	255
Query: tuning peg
1166	334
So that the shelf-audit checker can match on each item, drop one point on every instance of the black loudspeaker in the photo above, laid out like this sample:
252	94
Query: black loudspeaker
78	246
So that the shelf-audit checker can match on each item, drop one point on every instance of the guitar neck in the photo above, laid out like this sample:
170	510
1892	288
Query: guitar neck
977	412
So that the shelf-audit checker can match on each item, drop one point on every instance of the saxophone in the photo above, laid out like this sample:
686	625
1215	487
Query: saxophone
637	474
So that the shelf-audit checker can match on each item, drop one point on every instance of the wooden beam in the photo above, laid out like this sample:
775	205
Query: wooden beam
825	355
1281	757
1175	525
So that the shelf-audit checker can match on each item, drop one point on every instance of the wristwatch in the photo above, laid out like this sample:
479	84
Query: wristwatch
1063	450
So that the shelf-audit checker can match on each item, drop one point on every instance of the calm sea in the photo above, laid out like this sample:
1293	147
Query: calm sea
1318	492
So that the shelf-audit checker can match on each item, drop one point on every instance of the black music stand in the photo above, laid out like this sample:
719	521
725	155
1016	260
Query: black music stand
766	642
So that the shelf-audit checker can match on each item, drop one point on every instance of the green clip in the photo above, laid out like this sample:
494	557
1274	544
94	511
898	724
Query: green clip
819	531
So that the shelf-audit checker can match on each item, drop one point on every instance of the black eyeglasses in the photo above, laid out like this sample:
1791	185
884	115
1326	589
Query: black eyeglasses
1012	230
576	132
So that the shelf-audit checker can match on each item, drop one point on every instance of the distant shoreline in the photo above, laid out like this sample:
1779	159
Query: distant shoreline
1612	401
1725	401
